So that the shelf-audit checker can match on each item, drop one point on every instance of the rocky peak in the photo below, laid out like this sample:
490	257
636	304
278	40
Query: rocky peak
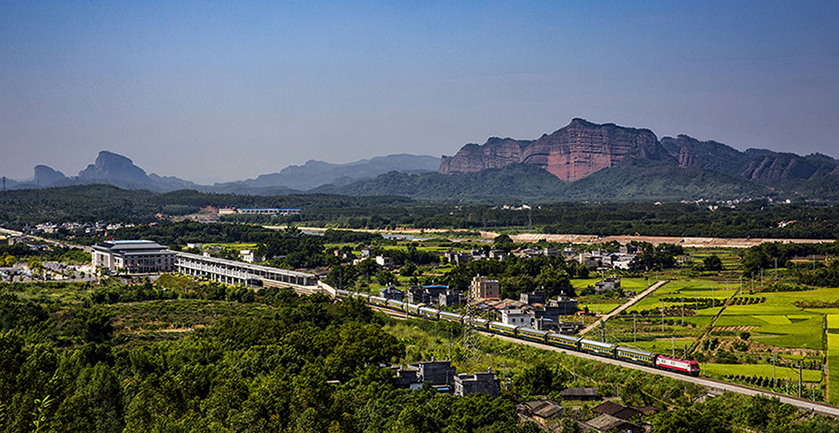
570	153
788	166
45	175
111	166
495	153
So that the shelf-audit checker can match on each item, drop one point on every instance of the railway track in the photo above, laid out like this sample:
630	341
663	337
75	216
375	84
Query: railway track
712	385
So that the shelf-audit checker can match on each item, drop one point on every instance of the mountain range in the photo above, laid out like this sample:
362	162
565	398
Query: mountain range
581	161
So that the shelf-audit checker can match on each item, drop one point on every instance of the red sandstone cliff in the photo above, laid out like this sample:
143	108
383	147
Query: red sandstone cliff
495	153
571	153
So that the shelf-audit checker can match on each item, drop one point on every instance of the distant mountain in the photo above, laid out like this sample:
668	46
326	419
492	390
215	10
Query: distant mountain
789	167
495	153
110	166
46	175
114	169
570	153
758	165
316	173
632	180
645	180
707	155
519	181
579	162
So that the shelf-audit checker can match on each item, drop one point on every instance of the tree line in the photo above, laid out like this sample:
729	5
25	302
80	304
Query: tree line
758	218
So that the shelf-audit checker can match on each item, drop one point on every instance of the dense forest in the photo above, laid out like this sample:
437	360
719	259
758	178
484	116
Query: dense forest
757	218
279	363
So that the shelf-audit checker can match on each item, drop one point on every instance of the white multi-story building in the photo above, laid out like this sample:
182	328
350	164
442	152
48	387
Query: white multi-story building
136	257
517	316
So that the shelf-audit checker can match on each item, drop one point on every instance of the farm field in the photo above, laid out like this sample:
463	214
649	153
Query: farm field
602	304
777	321
663	346
764	370
690	290
600	307
833	357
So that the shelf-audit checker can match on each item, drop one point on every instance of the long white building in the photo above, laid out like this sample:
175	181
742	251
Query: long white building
233	272
145	257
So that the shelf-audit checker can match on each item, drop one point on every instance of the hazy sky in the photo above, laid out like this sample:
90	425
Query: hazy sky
208	90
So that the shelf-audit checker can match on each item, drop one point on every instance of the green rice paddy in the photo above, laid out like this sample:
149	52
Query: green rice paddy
765	370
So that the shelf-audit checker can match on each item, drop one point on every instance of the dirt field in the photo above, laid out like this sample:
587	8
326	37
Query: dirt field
656	240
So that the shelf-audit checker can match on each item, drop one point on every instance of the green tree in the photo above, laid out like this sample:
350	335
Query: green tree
94	324
385	277
691	419
712	263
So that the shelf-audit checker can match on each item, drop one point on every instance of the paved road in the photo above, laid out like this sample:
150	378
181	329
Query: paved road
713	385
626	305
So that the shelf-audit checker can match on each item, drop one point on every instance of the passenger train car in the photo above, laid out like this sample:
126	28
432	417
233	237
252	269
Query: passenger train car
569	342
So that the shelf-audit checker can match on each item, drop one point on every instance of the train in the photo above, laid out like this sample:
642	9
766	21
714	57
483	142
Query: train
569	342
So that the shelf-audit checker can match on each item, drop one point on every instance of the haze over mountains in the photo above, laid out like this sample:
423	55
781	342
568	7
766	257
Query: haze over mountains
581	161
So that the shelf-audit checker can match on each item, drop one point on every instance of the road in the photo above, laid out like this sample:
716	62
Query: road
626	305
711	384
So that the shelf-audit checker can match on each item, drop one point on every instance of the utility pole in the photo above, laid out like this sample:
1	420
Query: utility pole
683	309
662	317
529	219
713	304
602	331
634	329
799	379
774	384
776	268
672	346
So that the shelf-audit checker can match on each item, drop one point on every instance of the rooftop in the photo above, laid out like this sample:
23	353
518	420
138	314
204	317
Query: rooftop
129	245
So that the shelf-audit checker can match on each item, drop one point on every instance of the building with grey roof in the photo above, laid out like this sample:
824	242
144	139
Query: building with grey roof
135	256
478	382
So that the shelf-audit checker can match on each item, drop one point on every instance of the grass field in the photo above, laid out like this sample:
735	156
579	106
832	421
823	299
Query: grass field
779	322
601	307
833	358
662	346
793	331
689	289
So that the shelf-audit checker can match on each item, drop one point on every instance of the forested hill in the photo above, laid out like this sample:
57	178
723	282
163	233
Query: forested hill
515	181
633	180
109	203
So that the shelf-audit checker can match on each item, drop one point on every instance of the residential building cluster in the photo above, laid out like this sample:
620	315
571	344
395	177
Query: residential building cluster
71	226
608	416
601	260
445	379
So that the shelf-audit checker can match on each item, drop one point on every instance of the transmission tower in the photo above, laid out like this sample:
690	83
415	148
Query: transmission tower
470	336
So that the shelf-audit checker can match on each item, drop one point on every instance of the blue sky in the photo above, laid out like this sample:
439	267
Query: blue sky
218	91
